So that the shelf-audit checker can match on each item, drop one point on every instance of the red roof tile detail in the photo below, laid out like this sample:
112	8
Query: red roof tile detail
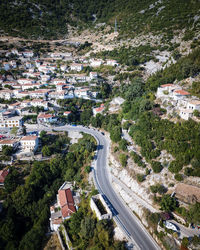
66	202
3	174
182	92
167	85
29	138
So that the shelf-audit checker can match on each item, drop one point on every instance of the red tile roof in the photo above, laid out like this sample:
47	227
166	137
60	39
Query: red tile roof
3	174
29	138
66	202
41	115
182	92
167	85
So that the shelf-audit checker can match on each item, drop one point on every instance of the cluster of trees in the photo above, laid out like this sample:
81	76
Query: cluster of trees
49	19
137	159
132	56
158	188
86	232
7	152
25	215
53	144
179	139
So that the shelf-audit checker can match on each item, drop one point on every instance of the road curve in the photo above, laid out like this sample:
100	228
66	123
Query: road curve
126	219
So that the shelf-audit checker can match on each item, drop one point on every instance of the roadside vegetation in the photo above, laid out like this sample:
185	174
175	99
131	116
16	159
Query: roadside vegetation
30	190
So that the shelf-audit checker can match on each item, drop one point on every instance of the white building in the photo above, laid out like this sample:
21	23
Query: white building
57	95
93	75
76	66
81	93
29	143
28	53
96	63
194	105
166	90
112	62
25	81
11	122
6	94
186	113
46	118
11	143
67	113
39	103
98	110
57	80
180	94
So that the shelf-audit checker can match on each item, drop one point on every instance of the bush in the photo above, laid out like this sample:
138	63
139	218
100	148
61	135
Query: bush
123	159
140	177
178	177
175	167
87	169
156	166
158	189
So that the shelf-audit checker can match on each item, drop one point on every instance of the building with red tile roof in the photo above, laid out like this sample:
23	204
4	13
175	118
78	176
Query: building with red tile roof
182	92
66	202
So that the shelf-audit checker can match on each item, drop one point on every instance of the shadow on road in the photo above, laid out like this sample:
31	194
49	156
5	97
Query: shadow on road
100	147
113	210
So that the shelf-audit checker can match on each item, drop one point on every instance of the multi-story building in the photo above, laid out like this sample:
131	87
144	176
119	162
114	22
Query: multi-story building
29	143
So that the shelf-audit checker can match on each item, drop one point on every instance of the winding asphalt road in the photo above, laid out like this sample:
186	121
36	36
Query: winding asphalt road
123	216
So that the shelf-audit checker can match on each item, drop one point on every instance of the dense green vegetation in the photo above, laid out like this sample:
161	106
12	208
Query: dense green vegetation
50	19
86	232
25	215
131	56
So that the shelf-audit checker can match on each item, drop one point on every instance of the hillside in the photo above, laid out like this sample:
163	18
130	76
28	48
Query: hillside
52	19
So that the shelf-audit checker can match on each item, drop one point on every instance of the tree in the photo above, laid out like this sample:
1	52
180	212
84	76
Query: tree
168	203
14	131
140	177
123	159
156	166
7	150
194	213
12	180
115	134
87	227
24	130
46	151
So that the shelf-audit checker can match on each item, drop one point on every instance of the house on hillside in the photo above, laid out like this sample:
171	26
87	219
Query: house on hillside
29	143
7	142
112	62
180	94
93	75
194	105
76	67
186	113
66	205
15	121
98	110
67	113
46	118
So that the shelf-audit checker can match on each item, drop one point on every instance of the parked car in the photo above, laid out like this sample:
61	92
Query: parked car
170	225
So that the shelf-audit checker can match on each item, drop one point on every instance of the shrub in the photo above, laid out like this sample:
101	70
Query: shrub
178	177
140	177
156	166
123	159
